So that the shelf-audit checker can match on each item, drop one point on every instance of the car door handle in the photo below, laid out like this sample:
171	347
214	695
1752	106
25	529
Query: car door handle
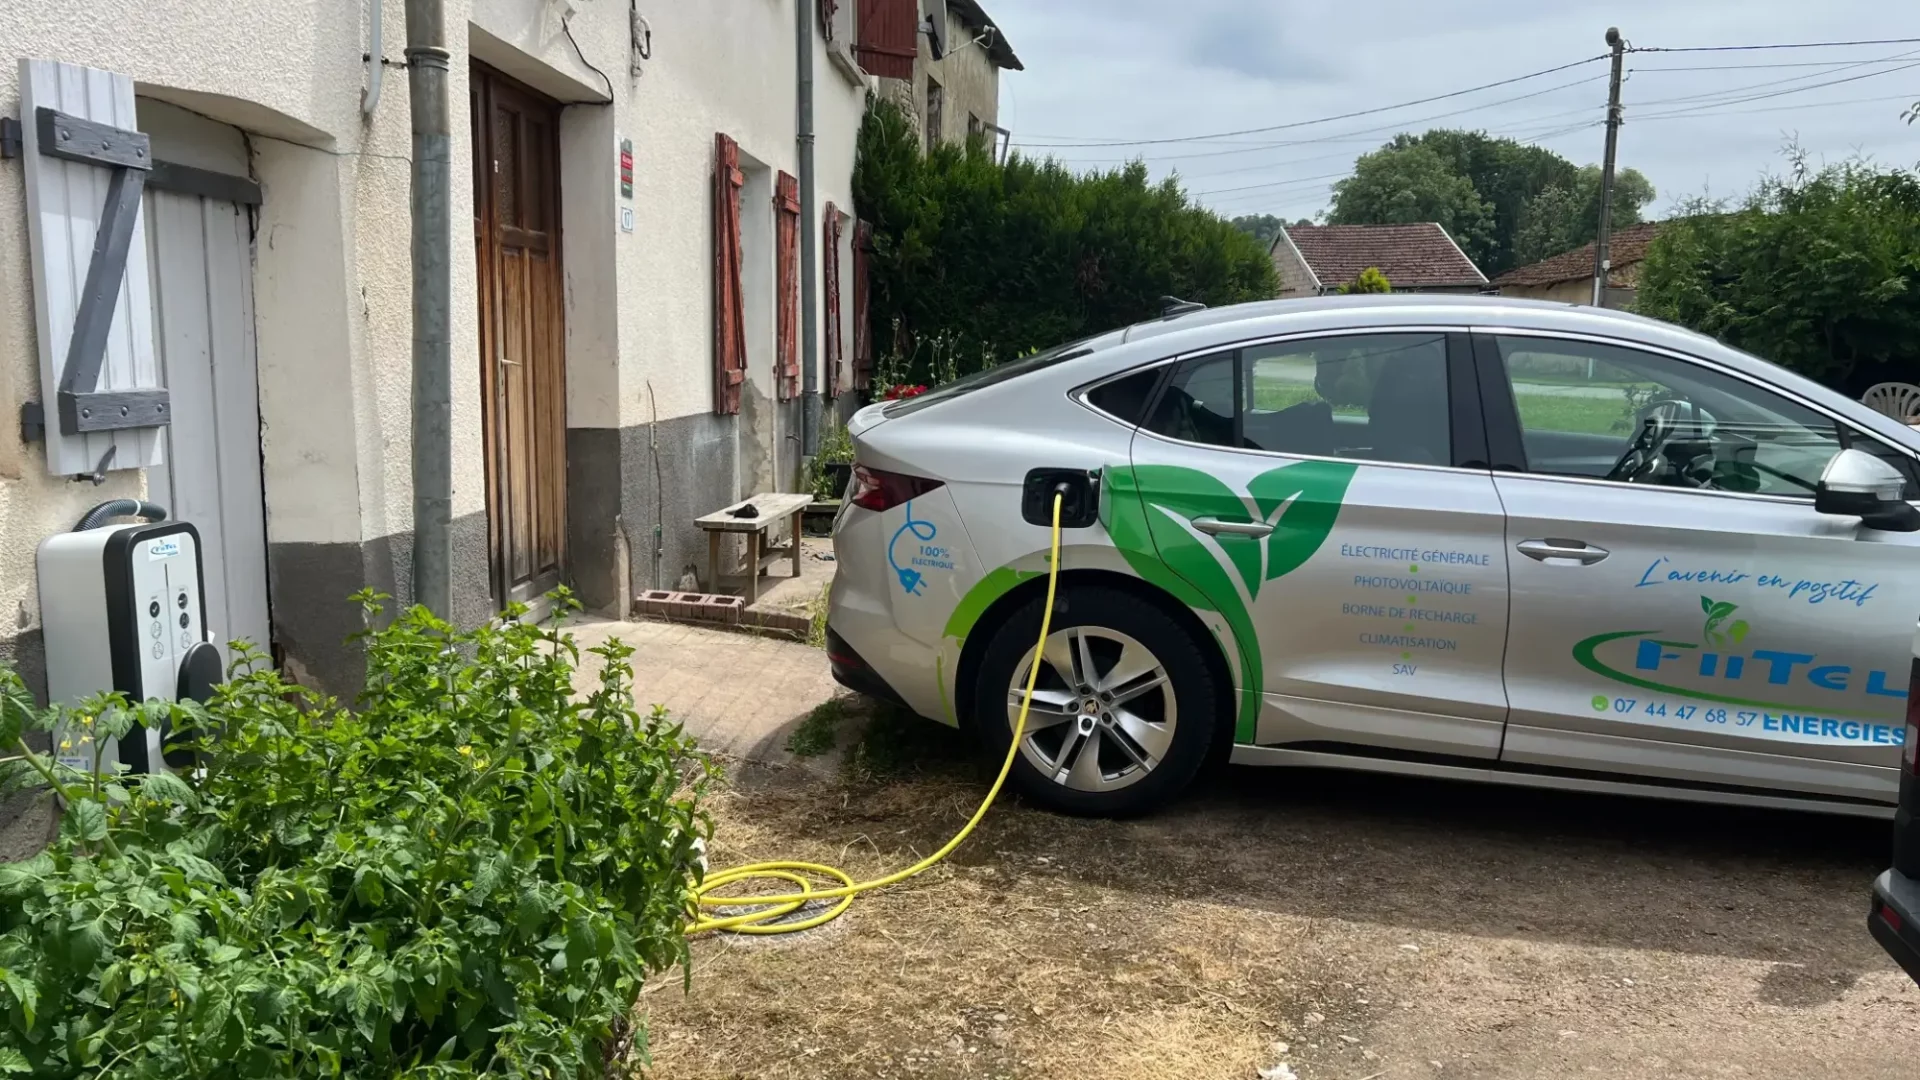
1577	550
1214	526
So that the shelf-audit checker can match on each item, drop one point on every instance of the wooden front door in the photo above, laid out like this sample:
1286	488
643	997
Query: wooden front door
516	231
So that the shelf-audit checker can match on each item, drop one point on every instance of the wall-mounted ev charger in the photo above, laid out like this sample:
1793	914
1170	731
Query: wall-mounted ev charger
123	608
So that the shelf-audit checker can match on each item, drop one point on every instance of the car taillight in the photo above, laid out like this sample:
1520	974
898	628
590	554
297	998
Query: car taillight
877	489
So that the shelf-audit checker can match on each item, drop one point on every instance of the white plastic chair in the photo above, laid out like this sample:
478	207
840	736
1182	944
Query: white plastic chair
1898	400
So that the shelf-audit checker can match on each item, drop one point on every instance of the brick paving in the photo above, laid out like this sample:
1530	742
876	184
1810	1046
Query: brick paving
740	695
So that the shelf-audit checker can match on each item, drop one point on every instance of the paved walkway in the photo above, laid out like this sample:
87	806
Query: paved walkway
740	695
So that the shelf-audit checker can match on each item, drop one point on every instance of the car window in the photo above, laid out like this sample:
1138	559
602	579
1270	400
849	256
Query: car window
1126	399
1374	397
1903	462
1612	413
1198	402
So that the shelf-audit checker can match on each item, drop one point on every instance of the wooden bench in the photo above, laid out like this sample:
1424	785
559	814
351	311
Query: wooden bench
771	508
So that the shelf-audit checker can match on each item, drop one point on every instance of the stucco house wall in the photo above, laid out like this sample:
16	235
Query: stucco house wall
279	84
968	77
1295	278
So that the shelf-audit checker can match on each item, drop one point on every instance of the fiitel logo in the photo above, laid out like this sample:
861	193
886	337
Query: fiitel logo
1732	676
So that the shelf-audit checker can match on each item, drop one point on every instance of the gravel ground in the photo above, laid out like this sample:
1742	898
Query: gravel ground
1282	923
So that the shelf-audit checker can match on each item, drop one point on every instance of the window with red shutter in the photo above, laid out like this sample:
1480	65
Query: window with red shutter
786	207
830	274
729	316
862	309
889	37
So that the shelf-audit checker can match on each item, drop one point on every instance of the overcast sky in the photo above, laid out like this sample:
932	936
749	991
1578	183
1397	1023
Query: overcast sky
1125	70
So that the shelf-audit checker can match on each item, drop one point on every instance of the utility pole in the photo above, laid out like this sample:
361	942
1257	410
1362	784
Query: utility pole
1601	262
427	70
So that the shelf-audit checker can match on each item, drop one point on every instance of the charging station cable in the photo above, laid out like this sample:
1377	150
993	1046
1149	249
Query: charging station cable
768	914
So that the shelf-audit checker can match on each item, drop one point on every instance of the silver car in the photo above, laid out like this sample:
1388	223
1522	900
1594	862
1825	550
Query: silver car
1440	536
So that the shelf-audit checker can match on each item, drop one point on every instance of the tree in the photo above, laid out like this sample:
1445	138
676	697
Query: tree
976	261
1509	177
1819	272
1371	280
1262	227
1398	185
1561	218
1506	174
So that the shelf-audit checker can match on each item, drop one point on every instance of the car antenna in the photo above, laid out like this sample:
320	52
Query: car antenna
1172	307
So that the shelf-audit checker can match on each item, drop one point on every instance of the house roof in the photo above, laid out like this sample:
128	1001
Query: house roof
1414	256
973	15
1624	248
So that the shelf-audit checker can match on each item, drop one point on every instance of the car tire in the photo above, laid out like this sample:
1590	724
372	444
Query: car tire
1148	743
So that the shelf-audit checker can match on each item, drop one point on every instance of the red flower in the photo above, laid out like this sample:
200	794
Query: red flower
904	390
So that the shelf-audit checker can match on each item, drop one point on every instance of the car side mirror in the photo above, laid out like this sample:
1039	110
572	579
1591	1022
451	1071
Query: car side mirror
1857	484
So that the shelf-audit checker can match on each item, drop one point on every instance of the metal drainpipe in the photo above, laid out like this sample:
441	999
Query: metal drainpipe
427	68
809	239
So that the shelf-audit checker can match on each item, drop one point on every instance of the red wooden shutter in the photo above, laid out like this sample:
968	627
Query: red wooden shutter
889	37
830	272
862	309
729	317
786	207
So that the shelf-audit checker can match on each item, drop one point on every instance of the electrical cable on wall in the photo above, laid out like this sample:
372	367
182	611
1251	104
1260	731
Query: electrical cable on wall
568	30
639	38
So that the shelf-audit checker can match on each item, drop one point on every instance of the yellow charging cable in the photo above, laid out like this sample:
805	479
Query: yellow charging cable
768	910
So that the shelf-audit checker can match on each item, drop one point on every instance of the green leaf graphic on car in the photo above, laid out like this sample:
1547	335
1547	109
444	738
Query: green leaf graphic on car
1150	517
1717	613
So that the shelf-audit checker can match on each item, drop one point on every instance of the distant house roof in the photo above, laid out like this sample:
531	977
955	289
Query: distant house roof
973	15
1417	256
1624	248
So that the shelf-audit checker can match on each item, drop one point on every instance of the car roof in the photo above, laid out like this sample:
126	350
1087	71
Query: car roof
1211	328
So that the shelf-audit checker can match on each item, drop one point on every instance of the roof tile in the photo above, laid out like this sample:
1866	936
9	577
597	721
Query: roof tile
1624	248
1413	256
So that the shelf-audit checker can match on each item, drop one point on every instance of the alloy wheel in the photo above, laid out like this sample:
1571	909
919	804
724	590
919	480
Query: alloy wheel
1103	713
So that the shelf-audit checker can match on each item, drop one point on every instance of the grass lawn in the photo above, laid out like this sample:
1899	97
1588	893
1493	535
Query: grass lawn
1608	415
1554	412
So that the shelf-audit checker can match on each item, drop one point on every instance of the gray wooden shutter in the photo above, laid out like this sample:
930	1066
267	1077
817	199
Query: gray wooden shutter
85	167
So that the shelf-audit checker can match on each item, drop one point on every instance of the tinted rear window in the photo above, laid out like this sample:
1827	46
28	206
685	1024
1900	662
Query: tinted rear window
992	376
1126	399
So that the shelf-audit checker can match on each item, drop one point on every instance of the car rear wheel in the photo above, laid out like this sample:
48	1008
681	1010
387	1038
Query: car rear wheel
1124	708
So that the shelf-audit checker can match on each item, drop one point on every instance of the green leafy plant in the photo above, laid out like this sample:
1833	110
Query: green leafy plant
470	873
1817	271
836	449
818	730
1371	280
975	261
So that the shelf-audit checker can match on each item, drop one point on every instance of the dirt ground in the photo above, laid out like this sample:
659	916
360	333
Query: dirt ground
1280	924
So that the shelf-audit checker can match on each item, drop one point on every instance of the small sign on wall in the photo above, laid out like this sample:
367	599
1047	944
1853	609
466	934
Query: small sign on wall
626	169
626	219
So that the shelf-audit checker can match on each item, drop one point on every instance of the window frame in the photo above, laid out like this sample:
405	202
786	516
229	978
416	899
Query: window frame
1465	416
1505	432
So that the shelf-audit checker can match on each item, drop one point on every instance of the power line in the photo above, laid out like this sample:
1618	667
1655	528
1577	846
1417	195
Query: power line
1755	67
1732	92
1757	48
1323	119
1243	201
1347	135
1683	114
1798	89
1276	183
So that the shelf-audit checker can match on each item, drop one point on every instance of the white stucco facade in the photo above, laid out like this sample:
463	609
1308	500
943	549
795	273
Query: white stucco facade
273	90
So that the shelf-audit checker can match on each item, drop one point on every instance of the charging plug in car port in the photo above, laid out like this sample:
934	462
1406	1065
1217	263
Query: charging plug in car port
1080	497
